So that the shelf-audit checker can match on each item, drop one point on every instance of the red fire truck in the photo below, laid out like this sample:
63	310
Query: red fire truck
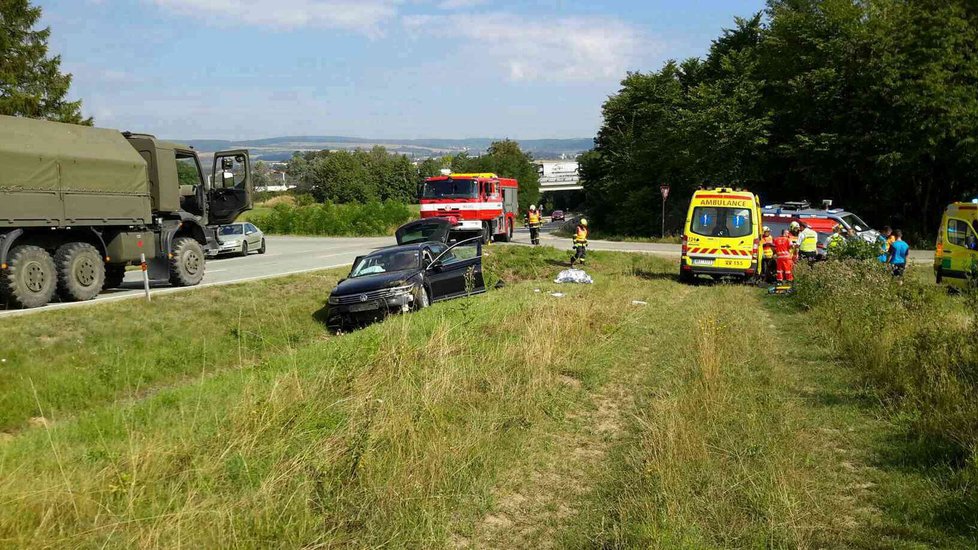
481	204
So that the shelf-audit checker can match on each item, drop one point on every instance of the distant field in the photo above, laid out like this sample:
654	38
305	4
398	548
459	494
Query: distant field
635	412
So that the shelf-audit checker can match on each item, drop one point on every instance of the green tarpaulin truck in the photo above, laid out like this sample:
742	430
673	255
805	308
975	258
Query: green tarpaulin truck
79	204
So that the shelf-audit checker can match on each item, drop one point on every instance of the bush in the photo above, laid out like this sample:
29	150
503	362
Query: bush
912	344
348	220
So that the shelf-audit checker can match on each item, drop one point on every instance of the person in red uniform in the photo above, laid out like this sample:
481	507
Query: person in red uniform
784	250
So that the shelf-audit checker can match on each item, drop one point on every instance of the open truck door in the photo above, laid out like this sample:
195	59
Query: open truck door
231	187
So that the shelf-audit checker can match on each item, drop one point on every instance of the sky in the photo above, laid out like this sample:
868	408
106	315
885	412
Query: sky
395	69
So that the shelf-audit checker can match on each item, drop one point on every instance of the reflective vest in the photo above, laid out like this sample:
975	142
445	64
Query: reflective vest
535	218
836	240
767	244
808	240
580	238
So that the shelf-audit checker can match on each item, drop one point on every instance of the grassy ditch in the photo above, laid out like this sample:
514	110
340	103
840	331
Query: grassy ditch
634	412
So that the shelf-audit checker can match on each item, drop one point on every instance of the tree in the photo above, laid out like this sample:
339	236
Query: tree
261	175
31	82
505	159
355	176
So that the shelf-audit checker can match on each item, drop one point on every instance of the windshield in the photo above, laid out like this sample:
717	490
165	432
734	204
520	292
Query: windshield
713	221
854	222
231	230
386	261
455	189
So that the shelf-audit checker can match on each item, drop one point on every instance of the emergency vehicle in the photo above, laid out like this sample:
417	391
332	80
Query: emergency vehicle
956	256
722	235
480	204
821	220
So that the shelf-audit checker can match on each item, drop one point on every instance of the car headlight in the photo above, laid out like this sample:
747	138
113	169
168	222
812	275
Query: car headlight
230	243
398	290
333	300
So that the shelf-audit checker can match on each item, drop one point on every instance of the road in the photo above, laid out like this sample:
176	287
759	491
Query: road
289	255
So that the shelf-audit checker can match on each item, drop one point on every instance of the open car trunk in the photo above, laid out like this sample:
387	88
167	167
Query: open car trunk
426	230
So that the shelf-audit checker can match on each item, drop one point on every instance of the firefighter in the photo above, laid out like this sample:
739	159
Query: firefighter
767	249
580	242
836	240
535	221
785	253
808	243
793	230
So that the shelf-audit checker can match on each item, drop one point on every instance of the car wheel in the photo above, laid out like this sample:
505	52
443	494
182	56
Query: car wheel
422	300
244	249
262	249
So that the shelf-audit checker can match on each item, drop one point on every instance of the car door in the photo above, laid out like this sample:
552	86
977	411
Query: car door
457	271
231	190
959	253
254	237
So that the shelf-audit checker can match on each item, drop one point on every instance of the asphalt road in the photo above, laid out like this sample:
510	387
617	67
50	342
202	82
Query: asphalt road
289	255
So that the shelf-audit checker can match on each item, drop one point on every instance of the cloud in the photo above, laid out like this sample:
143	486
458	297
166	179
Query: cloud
557	49
364	16
460	4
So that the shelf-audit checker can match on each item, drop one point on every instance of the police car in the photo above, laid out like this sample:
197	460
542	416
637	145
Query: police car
822	220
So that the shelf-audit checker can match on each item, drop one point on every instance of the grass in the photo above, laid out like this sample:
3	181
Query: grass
513	419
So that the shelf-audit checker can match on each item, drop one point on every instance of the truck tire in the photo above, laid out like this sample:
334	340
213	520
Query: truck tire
114	275
81	272
186	262
507	236
30	279
486	233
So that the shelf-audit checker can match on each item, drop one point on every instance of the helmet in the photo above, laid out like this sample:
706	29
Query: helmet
838	228
532	207
795	226
584	222
766	229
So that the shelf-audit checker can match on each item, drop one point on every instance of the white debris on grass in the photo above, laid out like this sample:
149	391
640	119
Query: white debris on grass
639	303
557	294
574	276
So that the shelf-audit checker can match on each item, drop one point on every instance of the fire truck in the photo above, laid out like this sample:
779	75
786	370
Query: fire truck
479	204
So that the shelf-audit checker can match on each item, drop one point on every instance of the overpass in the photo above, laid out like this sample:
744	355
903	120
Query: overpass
558	175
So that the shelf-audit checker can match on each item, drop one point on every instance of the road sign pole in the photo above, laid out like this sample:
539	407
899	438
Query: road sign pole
664	189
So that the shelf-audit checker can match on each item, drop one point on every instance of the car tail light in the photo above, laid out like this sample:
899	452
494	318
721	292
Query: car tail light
940	249
685	244
753	252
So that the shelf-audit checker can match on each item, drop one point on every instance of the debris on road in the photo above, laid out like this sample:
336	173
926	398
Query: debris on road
574	276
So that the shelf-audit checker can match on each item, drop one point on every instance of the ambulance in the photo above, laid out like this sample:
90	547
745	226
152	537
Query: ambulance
956	256
722	235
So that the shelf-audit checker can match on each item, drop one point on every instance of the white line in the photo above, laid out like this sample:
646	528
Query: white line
139	294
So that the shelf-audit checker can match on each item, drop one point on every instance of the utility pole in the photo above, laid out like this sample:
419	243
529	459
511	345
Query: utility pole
664	189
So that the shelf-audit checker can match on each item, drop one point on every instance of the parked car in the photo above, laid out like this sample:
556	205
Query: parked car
420	270
239	238
557	216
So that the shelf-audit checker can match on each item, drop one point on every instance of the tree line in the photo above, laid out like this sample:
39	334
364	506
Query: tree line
379	175
870	103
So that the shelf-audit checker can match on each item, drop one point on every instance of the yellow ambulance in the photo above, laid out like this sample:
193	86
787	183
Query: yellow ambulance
722	235
956	256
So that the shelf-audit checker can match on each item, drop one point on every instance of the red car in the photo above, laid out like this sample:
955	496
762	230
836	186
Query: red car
557	216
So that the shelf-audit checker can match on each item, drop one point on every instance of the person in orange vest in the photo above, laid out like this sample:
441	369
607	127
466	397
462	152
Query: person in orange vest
767	253
793	231
535	220
784	251
580	242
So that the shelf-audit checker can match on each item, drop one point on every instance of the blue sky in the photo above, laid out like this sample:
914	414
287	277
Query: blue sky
239	69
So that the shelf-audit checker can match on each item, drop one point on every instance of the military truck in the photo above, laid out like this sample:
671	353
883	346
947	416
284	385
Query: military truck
79	204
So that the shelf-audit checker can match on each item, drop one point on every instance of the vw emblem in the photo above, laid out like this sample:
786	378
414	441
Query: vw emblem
363	297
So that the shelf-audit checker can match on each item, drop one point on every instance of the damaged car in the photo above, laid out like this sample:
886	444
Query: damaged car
423	268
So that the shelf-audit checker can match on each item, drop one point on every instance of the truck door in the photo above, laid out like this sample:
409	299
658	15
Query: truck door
231	188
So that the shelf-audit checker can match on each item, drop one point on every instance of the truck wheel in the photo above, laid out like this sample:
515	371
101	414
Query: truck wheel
508	235
30	279
262	249
187	262
114	275
81	272
486	233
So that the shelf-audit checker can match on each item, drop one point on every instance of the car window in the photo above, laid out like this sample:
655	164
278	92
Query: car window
959	233
710	221
386	261
252	228
231	229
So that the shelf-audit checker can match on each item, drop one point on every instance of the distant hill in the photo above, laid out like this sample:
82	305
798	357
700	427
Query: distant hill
281	148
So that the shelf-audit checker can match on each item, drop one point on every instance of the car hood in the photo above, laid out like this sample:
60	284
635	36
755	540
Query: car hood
376	281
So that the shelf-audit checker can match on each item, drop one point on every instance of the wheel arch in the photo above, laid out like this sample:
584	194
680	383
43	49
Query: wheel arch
50	240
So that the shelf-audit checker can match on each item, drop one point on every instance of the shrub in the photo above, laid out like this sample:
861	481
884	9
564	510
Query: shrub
913	344
348	220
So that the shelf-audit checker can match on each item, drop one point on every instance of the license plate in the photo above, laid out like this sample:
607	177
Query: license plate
706	261
368	306
740	264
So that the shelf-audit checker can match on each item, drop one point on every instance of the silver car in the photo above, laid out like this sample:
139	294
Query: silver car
240	239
